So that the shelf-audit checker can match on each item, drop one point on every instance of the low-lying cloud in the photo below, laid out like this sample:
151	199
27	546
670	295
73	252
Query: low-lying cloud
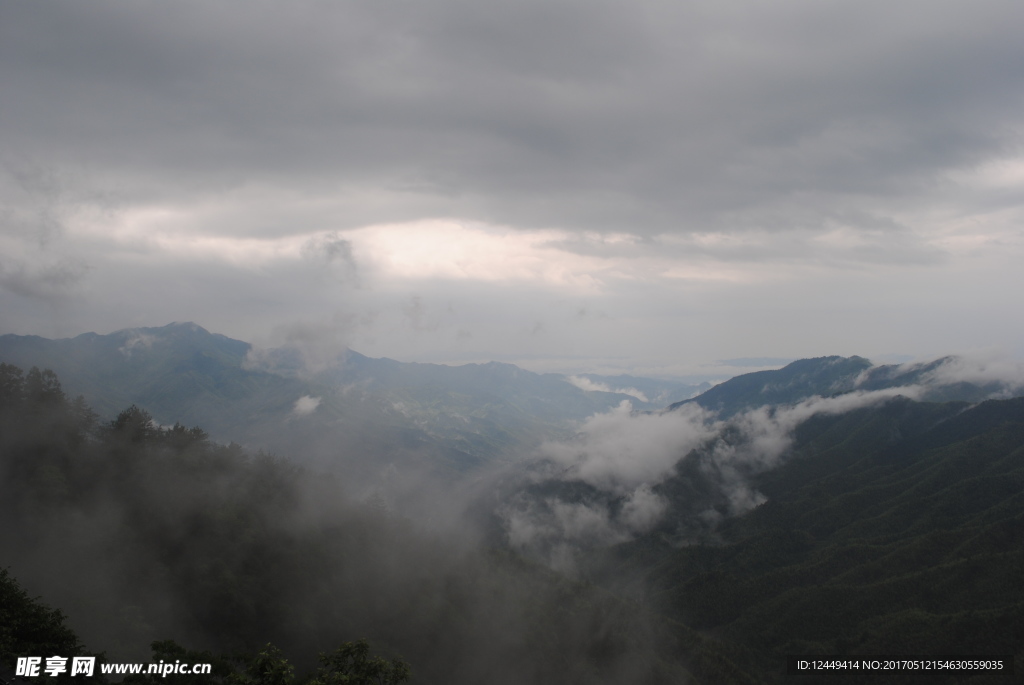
982	368
588	385
621	450
306	405
602	487
304	348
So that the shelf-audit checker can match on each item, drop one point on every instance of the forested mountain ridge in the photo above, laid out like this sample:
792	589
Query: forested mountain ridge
456	417
179	372
892	526
172	535
941	380
409	414
894	529
803	378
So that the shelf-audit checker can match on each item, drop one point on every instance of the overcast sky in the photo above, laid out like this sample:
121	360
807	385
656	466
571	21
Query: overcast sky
572	186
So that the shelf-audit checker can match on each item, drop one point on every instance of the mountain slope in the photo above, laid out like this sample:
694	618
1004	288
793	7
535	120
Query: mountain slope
934	381
373	411
897	529
164	368
174	535
803	378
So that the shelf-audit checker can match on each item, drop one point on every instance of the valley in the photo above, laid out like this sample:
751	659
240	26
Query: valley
466	516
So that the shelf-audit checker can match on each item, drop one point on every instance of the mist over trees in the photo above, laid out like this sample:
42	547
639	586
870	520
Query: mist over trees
172	535
874	523
516	317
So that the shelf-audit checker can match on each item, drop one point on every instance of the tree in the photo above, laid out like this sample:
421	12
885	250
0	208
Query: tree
42	388
12	386
28	627
134	425
351	664
180	437
268	667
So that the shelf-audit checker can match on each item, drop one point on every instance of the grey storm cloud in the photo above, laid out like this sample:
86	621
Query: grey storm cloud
680	171
648	117
43	281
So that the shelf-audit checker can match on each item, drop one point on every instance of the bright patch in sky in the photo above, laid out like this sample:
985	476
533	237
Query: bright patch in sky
646	187
427	250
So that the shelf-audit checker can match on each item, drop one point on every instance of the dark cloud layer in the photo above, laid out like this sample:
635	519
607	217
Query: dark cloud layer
855	162
646	117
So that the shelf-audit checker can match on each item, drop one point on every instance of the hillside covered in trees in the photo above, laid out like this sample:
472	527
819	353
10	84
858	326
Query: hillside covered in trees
142	533
896	529
892	528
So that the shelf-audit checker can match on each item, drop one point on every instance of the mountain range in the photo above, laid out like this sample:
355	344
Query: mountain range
452	416
449	417
891	529
882	507
940	380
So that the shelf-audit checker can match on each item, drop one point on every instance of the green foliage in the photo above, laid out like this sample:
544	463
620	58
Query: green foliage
12	385
890	529
42	388
896	529
351	664
134	425
30	628
173	534
268	667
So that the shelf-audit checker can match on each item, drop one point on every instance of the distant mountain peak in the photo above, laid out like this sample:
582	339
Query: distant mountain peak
940	380
795	381
187	327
